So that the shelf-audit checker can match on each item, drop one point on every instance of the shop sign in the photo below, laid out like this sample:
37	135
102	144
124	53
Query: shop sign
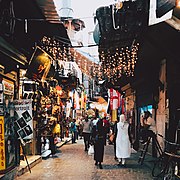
23	118
2	144
8	87
82	100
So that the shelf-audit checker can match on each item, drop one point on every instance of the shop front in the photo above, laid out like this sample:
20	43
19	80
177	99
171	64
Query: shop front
146	100
11	60
8	140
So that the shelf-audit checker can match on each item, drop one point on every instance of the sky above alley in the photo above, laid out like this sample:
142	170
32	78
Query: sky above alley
85	10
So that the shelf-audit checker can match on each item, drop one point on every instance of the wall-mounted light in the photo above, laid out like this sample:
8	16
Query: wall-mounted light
178	3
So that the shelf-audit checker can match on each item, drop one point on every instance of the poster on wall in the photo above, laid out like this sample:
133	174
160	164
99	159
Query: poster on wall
23	118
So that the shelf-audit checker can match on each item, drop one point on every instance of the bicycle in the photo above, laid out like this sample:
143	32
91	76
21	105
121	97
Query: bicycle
167	164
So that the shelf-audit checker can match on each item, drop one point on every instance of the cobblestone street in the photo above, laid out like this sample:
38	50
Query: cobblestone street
72	162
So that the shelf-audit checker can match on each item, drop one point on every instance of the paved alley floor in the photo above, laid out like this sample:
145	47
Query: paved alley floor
73	163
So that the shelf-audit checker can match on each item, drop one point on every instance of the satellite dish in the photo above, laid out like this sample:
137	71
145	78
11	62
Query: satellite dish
96	34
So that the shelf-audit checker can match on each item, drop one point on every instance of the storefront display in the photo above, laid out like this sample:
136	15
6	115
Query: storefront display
8	141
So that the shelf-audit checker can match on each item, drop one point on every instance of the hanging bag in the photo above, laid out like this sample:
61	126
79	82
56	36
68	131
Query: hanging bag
91	150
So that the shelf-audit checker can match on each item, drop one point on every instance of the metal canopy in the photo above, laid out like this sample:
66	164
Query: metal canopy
23	24
34	20
9	50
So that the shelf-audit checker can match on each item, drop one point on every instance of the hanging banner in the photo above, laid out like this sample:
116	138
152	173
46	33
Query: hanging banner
68	108
114	116
85	99
123	110
119	98
2	144
113	99
82	100
23	118
76	100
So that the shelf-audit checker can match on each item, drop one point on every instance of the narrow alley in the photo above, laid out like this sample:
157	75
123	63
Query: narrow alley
72	162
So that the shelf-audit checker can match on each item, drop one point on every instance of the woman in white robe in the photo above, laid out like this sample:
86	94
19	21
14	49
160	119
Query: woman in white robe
123	145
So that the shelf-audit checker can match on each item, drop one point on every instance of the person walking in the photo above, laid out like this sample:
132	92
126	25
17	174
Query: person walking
106	125
81	129
87	127
114	132
73	130
99	143
123	145
78	123
51	135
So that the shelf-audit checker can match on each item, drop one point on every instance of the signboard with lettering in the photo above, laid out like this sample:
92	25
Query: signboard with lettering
23	118
2	145
8	87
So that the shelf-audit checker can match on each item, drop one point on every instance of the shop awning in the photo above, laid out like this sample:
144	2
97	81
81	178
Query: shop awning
10	57
32	20
11	52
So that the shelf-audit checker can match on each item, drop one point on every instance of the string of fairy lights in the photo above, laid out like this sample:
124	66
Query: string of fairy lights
120	62
113	63
64	53
55	48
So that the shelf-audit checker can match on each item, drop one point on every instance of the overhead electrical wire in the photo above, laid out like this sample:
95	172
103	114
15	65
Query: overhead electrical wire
49	19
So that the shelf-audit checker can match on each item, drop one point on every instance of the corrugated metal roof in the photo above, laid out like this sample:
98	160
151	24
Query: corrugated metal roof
49	10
